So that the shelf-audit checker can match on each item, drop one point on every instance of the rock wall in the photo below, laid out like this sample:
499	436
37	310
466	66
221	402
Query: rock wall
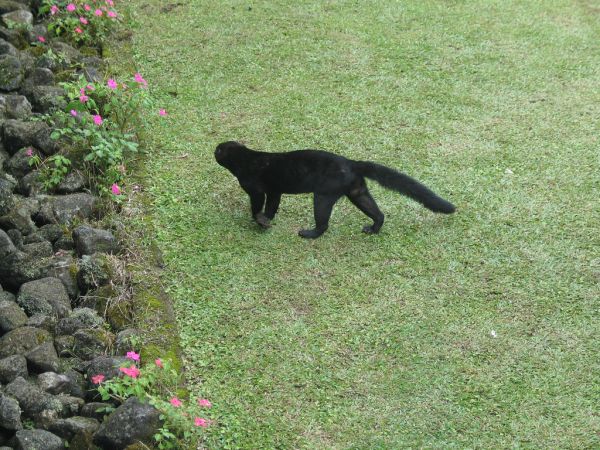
59	322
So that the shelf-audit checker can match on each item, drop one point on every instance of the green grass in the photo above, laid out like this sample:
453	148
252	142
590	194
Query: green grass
355	341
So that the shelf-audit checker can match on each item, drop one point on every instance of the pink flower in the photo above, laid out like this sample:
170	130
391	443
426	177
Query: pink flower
83	20
74	113
29	152
132	371
112	84
87	7
97	379
138	77
83	98
162	112
111	14
71	7
204	403
97	119
115	189
200	422
89	87
98	12
78	30
53	9
158	363
131	355
176	402
42	39
110	3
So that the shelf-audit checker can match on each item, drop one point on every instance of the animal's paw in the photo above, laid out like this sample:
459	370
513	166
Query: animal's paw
262	220
310	234
369	229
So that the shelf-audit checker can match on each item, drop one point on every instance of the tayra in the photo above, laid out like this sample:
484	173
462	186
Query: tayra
265	176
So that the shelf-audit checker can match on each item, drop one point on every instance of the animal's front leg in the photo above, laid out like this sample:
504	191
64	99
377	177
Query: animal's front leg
272	205
257	201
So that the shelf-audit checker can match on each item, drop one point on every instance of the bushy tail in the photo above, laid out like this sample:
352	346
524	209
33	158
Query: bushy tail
397	181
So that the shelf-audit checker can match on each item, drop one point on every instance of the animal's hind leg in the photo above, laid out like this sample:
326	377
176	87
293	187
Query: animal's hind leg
323	206
361	198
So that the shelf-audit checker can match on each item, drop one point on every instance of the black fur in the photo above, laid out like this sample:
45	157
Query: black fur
265	176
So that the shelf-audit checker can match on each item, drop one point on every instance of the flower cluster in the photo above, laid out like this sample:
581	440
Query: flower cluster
158	385
100	119
83	22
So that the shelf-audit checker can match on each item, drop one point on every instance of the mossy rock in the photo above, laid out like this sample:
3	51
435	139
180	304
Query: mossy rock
36	50
88	51
63	76
119	314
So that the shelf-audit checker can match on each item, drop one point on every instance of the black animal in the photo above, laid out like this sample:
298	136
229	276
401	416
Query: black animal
326	175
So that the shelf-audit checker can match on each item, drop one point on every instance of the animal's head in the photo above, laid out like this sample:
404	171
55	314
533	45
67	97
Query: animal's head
226	152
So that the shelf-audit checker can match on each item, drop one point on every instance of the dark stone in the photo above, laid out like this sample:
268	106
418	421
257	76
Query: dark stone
37	440
64	268
33	238
78	319
38	249
64	345
44	141
54	383
39	77
11	5
45	296
95	410
64	243
105	365
12	367
131	422
16	236
11	317
7	248
10	414
46	99
70	405
94	271
73	182
6	296
18	268
31	184
90	240
91	74
22	340
19	217
91	342
64	209
16	37
6	48
18	134
68	428
69	53
11	73
14	107
43	358
43	321
19	164
32	399
126	340
51	232
7	200
18	16
78	383
82	441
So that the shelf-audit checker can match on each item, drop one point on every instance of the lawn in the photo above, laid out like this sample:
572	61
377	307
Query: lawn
476	330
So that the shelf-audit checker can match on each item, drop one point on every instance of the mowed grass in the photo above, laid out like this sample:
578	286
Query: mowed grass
477	330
